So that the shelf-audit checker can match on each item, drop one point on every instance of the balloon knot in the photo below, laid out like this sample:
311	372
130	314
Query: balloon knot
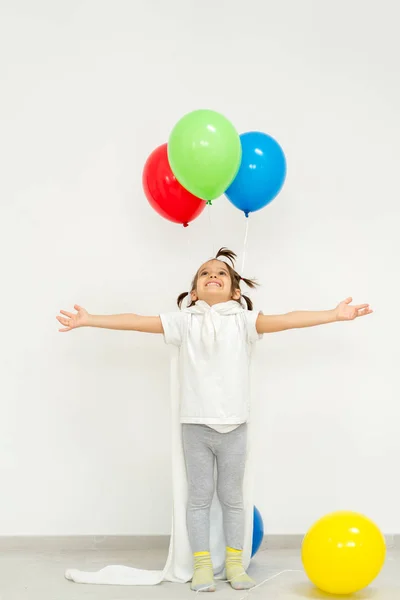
186	224
246	214
209	202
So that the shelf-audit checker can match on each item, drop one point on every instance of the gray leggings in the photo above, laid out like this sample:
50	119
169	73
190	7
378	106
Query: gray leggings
202	446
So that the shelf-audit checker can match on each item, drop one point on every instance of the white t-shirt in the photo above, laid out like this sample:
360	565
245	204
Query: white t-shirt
214	381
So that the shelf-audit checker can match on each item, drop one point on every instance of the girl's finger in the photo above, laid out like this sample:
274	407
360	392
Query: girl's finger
77	307
66	329
63	321
360	306
67	314
348	300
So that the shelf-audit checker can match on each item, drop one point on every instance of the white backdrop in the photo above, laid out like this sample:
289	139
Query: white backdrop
88	89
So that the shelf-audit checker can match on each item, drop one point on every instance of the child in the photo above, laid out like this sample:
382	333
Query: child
214	334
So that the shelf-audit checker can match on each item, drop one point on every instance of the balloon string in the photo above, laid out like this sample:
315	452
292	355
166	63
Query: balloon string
189	260
256	586
211	228
270	579
188	233
245	245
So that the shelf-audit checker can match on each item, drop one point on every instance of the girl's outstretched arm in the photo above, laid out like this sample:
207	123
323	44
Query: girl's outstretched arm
128	322
344	311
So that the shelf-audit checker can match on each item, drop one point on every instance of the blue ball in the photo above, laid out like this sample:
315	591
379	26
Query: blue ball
258	532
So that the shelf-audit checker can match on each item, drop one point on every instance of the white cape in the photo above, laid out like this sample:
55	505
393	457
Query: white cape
179	564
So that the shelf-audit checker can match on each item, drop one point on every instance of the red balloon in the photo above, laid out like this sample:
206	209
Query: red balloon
165	193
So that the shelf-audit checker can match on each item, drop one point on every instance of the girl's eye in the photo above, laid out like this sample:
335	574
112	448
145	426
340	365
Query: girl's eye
206	273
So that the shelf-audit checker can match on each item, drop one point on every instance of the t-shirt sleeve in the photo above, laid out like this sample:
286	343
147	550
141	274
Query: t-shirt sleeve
173	327
251	319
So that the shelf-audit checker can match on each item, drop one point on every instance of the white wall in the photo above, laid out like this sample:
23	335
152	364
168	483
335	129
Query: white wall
88	89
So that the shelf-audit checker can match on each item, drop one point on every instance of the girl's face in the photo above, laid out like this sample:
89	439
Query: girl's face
214	284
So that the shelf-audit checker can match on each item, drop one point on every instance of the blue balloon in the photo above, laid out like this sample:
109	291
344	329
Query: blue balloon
261	174
258	532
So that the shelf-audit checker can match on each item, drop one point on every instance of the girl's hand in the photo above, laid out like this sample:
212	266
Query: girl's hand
72	321
346	312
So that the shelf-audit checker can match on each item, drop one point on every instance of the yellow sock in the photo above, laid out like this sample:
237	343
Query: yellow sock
203	576
235	572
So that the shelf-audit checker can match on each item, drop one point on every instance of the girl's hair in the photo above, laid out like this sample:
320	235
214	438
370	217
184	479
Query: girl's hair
235	278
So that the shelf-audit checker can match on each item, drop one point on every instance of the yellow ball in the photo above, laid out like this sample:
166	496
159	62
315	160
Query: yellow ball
343	553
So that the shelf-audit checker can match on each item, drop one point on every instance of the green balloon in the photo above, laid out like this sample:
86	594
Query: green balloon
204	153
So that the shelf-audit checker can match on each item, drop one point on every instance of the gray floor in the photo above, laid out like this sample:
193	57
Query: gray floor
39	576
